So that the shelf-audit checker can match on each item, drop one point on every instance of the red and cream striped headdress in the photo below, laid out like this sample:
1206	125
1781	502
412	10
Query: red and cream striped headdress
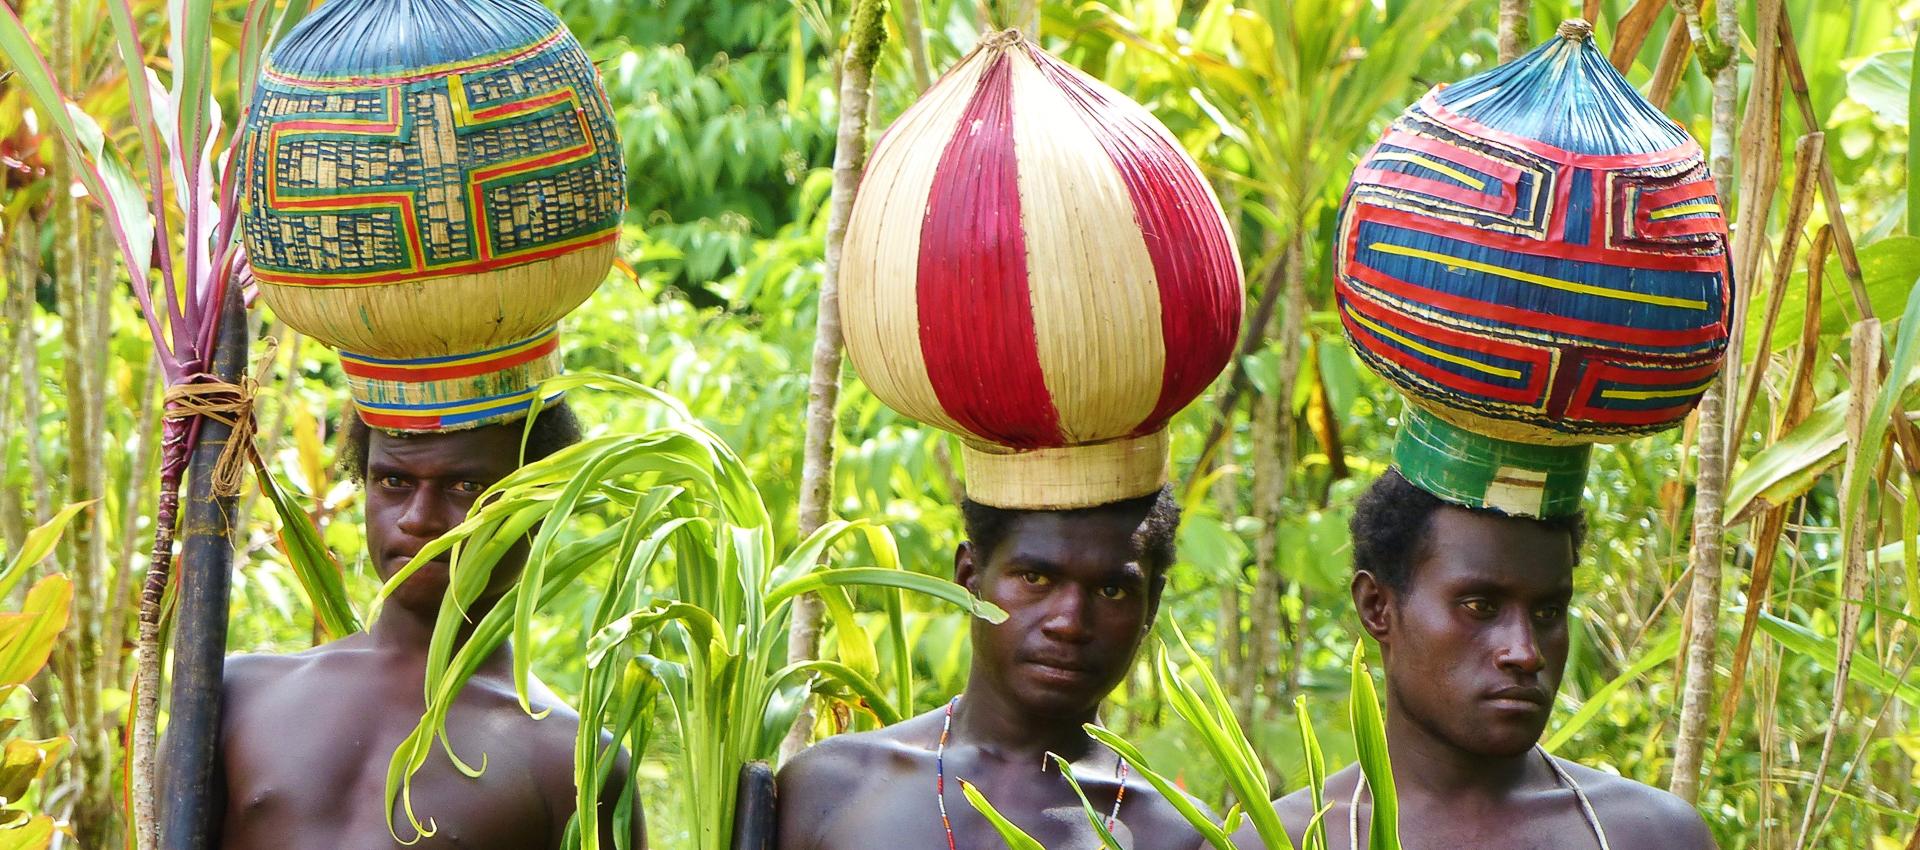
1036	265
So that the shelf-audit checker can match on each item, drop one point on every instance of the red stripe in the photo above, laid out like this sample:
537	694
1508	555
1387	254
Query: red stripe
1503	171
461	370
1489	310
975	309
405	423
1675	194
1192	252
1584	401
1501	204
1528	394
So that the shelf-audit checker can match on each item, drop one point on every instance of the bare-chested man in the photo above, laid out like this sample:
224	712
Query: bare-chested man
306	738
1080	588
1470	609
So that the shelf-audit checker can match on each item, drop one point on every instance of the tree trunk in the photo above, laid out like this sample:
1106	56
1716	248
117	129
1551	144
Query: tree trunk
823	388
200	632
94	819
1709	495
1273	430
1513	29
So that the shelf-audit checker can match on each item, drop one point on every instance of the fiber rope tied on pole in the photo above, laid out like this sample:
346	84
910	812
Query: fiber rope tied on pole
230	404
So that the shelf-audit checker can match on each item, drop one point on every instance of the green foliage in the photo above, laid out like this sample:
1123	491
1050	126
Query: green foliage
708	636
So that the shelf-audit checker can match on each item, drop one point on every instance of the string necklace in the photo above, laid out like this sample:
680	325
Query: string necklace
940	778
1559	773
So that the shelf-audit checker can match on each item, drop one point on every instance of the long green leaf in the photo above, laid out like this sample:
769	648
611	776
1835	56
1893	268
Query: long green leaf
1370	738
1802	641
1016	838
38	543
313	565
941	589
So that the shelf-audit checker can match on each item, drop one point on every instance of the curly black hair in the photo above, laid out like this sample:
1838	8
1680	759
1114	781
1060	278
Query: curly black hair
554	429
1389	528
987	525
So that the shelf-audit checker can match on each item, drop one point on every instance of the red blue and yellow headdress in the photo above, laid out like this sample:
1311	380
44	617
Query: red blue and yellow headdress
1537	258
430	186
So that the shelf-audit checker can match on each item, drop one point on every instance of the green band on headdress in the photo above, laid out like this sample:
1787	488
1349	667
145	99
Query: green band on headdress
1477	471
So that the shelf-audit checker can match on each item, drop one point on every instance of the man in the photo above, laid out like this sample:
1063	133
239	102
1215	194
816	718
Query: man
1080	588
1470	609
306	738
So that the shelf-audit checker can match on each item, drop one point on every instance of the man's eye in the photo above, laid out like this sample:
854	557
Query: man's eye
391	481
470	487
1478	607
1113	591
1033	578
1550	614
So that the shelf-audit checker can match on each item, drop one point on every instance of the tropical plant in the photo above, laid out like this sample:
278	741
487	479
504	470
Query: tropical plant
709	640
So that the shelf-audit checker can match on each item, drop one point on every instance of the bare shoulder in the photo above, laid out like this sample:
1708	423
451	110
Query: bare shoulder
836	765
1636	815
248	674
815	787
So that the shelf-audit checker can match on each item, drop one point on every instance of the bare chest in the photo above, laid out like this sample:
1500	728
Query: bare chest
901	811
307	767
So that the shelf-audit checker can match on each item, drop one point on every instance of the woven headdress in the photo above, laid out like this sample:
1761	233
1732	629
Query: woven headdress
1034	264
1537	258
430	186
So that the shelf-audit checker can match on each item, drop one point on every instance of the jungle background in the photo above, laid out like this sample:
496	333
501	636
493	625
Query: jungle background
1788	605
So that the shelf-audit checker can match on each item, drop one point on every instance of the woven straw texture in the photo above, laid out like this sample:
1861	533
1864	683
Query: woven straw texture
430	186
1034	264
430	177
1538	255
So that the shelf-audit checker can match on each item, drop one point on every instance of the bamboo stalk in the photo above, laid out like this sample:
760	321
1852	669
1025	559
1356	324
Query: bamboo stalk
823	389
186	773
1513	35
1797	404
1865	381
1710	491
1674	56
1806	156
915	32
17	308
1631	32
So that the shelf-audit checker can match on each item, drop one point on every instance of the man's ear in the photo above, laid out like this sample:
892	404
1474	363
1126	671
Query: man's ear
964	569
1373	601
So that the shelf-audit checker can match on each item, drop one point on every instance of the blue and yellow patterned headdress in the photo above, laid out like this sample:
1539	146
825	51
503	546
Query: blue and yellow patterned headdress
1536	257
430	186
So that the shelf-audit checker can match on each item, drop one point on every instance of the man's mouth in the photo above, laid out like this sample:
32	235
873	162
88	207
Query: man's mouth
1520	698
1061	669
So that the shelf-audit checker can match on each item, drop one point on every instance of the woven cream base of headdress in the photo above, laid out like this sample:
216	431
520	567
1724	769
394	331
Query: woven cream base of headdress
1065	478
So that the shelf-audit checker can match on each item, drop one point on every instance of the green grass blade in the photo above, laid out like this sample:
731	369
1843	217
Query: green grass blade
1370	738
1016	838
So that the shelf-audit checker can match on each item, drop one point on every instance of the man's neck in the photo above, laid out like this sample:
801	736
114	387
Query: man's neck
1430	766
987	719
406	632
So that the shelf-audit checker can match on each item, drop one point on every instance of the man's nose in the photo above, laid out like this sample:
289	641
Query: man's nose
1519	647
1067	616
425	514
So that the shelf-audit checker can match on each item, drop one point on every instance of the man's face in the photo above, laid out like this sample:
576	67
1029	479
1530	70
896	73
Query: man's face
420	486
1477	641
1078	598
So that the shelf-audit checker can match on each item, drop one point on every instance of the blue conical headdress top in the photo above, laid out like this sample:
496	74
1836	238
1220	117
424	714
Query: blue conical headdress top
1537	258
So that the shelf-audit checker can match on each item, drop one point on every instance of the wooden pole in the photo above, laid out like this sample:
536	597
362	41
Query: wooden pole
191	750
